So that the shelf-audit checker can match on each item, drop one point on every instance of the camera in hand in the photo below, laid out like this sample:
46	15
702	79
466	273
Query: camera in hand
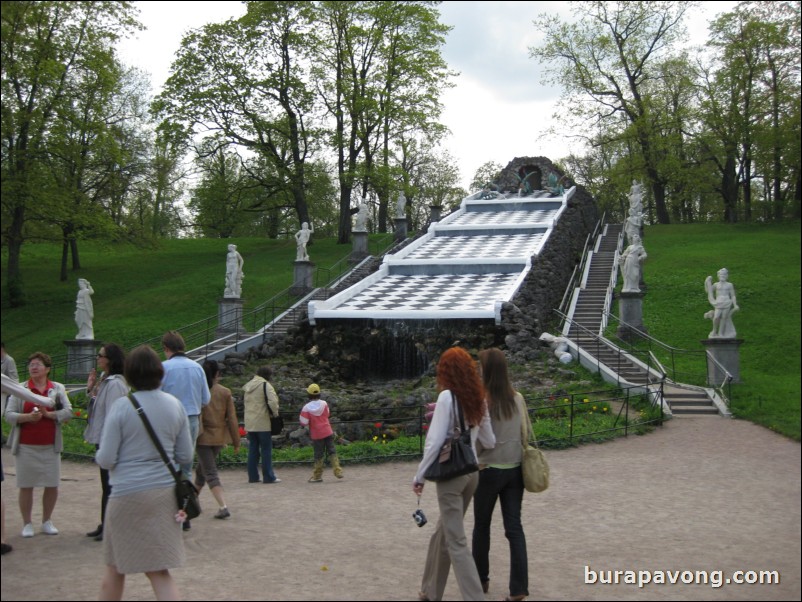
420	517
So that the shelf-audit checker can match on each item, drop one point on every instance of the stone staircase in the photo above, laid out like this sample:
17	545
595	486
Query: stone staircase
586	327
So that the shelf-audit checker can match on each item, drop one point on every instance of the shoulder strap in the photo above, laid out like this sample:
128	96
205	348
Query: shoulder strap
154	437
526	425
267	403
458	411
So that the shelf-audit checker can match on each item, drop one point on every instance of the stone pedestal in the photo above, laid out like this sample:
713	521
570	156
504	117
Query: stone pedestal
81	359
630	309
229	316
360	250
400	229
304	277
725	352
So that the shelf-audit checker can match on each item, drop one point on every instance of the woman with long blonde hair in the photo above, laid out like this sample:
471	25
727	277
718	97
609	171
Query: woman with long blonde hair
501	478
460	388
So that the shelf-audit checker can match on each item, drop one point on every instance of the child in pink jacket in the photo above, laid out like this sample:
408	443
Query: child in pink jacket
315	415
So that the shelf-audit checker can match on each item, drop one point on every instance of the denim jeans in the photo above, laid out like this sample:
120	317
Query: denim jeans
506	485
260	443
194	427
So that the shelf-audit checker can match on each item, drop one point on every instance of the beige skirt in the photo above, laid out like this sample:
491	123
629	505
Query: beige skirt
37	466
140	534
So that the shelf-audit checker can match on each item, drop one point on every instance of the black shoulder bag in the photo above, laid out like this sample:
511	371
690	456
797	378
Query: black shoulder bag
456	456
276	421
185	491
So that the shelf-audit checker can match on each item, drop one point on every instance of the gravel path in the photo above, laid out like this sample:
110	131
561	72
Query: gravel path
700	494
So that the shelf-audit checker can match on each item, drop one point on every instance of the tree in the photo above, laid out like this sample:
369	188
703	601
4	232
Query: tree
379	73
486	174
751	98
609	56
246	82
44	45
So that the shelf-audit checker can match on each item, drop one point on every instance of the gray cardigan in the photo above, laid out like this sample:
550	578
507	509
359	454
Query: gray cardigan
14	411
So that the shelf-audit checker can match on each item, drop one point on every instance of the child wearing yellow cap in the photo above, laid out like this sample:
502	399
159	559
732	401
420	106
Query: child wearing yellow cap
315	415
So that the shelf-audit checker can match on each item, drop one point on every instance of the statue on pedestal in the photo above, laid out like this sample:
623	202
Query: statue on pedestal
630	263
301	239
84	310
362	218
401	206
234	273
722	297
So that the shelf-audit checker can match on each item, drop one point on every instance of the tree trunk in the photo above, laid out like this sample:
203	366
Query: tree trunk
16	295
65	248
344	226
729	190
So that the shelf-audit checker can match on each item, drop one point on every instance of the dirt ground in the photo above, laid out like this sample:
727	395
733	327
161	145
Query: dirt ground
700	494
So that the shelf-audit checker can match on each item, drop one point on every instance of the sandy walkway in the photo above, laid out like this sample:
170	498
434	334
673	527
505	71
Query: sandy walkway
703	493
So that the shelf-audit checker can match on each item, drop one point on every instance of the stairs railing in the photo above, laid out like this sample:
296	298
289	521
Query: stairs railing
594	345
680	361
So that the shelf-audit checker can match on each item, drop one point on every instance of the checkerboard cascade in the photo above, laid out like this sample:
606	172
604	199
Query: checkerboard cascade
497	218
432	293
466	266
480	245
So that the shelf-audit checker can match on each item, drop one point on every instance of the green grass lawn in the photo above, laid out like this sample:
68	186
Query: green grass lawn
764	266
142	292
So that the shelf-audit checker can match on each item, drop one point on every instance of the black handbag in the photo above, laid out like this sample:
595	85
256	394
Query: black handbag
276	421
185	491
456	456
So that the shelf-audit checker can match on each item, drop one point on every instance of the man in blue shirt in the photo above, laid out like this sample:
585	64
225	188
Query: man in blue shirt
184	379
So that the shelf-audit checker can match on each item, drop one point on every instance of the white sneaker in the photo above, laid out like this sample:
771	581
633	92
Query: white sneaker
27	530
48	528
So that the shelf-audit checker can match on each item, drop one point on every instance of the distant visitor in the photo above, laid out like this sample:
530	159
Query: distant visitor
722	297
84	310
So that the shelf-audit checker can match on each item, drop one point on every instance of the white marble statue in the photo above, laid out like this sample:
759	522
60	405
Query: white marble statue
630	264
401	206
636	197
632	227
722	297
301	239
362	218
234	273
84	310
559	346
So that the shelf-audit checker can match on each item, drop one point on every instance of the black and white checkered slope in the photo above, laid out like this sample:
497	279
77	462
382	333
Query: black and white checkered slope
465	267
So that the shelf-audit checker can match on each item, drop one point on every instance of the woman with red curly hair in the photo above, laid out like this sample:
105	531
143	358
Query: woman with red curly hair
459	382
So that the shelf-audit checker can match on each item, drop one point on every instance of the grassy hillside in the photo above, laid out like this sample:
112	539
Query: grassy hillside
140	293
764	266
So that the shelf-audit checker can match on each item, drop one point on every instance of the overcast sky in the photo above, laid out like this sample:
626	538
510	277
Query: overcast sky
498	110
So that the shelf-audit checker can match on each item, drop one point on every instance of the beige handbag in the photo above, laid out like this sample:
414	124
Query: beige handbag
534	467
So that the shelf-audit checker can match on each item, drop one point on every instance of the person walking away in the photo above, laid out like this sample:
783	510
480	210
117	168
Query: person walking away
315	415
185	380
259	394
102	392
501	478
459	383
141	533
219	420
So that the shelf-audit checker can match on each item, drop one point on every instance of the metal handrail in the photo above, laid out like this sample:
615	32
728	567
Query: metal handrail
604	343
